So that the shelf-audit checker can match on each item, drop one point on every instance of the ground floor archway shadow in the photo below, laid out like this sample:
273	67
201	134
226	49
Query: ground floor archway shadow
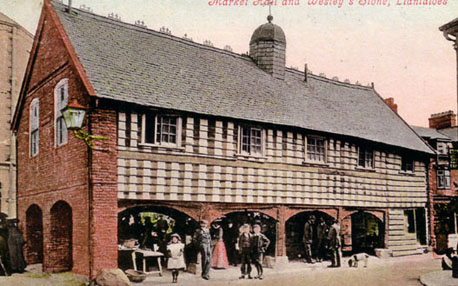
34	235
367	232
295	231
60	256
151	226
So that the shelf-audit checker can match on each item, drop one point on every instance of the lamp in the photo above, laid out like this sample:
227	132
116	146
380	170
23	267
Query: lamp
74	114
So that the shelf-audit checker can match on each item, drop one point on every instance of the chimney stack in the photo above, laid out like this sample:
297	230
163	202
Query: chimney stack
390	102
442	120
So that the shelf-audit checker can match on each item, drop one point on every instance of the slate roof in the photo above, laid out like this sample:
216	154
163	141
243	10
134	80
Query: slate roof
451	132
451	24
430	133
134	64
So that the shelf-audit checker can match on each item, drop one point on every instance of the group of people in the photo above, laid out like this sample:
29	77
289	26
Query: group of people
251	247
11	247
322	240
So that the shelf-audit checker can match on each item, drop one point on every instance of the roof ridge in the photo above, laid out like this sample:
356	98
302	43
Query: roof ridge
152	32
328	80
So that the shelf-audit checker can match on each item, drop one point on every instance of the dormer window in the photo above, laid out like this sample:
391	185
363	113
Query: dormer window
34	127
316	149
161	129
366	158
60	101
251	140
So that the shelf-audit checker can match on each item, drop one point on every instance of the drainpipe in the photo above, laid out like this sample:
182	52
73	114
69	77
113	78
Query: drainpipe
11	198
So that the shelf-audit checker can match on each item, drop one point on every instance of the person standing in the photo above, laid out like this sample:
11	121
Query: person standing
175	251
321	237
259	243
308	238
334	244
15	246
244	246
202	240
219	253
230	236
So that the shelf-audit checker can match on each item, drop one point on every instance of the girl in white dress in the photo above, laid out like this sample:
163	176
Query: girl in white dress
175	250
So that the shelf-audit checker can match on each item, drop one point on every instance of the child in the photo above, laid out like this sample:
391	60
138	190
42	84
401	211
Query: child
175	251
259	244
244	247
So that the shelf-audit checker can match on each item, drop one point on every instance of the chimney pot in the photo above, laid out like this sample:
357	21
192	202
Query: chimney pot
390	102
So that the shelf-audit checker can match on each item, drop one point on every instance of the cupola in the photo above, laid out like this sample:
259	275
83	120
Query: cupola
268	47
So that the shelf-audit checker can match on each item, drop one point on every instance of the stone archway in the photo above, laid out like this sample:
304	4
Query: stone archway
231	223
60	255
151	226
294	227
34	235
367	232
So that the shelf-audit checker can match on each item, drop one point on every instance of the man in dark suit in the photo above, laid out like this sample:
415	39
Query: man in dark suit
202	241
308	238
334	244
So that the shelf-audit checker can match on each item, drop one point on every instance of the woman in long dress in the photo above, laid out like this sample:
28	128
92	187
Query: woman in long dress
175	250
219	259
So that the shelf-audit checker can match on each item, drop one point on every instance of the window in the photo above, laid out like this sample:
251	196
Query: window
316	150
365	158
443	179
34	126
442	148
161	130
406	164
60	101
251	140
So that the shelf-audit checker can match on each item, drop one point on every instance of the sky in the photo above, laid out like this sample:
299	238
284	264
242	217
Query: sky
397	47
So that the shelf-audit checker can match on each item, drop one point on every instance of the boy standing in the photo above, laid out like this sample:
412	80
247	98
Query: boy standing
244	244
259	244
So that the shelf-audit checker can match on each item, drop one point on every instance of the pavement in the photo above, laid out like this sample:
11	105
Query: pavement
384	272
272	276
439	278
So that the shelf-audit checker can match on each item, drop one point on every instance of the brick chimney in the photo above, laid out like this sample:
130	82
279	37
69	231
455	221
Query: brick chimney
442	120
390	102
268	47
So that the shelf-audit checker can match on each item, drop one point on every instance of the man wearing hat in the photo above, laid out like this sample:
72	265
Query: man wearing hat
202	240
334	244
308	238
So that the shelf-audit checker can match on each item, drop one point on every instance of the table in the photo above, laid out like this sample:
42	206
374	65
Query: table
148	254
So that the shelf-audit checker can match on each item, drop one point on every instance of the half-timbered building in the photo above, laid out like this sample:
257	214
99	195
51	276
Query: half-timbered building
199	132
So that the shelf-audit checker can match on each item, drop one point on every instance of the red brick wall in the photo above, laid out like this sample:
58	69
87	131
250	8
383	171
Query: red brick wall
104	227
55	173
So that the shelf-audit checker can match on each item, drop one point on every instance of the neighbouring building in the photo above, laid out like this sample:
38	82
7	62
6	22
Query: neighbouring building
198	132
15	45
442	179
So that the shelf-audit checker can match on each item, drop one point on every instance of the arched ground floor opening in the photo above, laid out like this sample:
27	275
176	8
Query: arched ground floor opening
60	243
232	223
34	235
362	232
149	227
294	229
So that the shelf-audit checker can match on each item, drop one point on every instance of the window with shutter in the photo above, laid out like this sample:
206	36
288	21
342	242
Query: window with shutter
34	127
60	101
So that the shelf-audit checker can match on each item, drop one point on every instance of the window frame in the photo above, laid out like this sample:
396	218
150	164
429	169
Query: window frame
447	179
155	142
251	128
404	164
58	118
34	128
366	151
325	149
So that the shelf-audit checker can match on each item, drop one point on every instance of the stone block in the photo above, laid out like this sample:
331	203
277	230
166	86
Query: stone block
112	277
383	253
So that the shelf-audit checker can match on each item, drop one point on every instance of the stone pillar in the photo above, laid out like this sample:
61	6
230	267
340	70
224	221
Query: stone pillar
281	236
